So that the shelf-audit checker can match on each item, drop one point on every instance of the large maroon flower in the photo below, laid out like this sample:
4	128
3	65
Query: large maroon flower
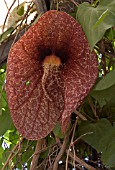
49	72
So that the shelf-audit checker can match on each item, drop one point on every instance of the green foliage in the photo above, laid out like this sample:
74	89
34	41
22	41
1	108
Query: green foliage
105	89
1	152
95	21
6	34
101	18
20	11
50	140
5	118
44	155
27	151
105	97
5	121
110	34
57	131
98	130
102	139
3	101
106	82
107	145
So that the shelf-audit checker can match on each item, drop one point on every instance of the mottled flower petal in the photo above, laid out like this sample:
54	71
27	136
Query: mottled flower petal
40	95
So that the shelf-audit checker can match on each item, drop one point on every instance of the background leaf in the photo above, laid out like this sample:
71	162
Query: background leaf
5	121
105	97
99	129
20	11
57	131
107	147
103	131
6	34
101	18
88	17
106	82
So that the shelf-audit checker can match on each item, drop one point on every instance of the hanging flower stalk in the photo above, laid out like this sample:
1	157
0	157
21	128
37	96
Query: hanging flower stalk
49	72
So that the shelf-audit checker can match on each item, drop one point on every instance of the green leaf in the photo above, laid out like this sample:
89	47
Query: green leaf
107	146
106	82
101	18
3	102
1	164
50	140
57	131
1	152
105	97
13	137
98	130
20	11
6	34
5	155
102	139
44	155
5	121
89	17
28	148
110	34
27	155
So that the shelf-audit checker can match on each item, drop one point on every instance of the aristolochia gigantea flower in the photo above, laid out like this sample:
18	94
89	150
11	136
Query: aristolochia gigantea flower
49	72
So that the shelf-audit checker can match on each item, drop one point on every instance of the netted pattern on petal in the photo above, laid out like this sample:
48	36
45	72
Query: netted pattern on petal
79	75
37	102
33	114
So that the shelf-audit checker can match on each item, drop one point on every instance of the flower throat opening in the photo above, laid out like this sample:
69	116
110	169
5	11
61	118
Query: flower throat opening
52	60
51	65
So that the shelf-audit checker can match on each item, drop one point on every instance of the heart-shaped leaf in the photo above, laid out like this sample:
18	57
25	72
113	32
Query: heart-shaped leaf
95	21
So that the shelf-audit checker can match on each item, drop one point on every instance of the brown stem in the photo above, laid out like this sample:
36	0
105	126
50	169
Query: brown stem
36	155
74	2
40	6
75	141
82	117
12	154
92	107
81	162
7	15
73	134
61	152
24	17
105	53
6	4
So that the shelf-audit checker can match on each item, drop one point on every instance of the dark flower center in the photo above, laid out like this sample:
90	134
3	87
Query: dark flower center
60	53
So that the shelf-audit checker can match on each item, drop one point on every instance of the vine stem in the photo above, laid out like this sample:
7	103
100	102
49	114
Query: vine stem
7	15
82	117
81	162
12	154
74	2
61	152
36	154
74	128
40	6
92	107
